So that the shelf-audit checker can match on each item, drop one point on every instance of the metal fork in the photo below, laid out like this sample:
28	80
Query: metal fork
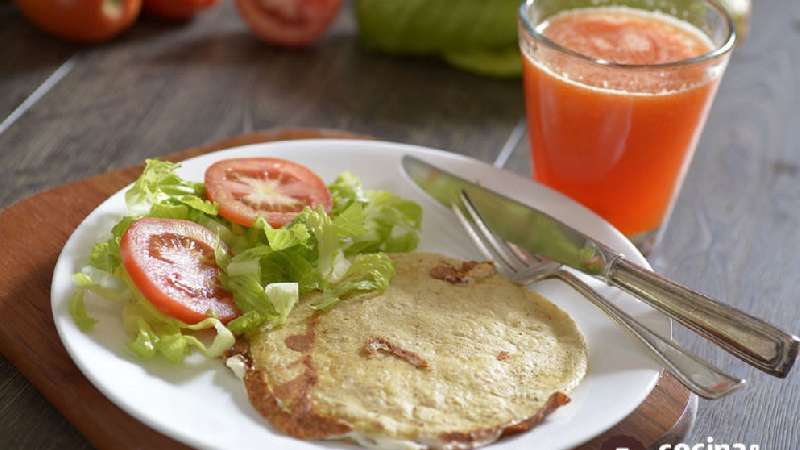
524	268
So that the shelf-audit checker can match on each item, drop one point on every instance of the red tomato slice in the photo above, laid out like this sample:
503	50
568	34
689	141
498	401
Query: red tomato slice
276	189
288	22
172	264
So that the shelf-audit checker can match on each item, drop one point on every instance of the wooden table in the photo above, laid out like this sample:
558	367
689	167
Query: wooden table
163	87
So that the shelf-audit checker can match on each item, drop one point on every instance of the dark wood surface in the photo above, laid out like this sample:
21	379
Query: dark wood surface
27	58
25	271
163	87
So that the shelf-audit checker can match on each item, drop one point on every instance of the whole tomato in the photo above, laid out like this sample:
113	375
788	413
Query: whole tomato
81	20
288	22
176	9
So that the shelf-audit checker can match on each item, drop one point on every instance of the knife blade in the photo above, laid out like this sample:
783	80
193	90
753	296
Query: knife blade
541	234
748	338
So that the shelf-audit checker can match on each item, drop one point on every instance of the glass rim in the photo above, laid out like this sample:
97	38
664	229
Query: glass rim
717	52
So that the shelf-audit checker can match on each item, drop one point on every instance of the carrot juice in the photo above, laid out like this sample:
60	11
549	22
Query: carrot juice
615	105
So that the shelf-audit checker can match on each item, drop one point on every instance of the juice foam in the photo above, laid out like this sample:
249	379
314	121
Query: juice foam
626	36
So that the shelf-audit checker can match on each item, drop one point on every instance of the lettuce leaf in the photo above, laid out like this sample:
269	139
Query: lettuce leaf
437	26
351	222
395	220
159	183
286	237
498	63
340	254
296	266
244	282
156	336
329	251
318	251
247	323
105	254
345	191
367	273
155	333
384	222
478	36
283	297
101	283
77	309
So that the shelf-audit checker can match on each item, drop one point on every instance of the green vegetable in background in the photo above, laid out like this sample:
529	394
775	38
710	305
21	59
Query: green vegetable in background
479	36
476	35
437	26
494	63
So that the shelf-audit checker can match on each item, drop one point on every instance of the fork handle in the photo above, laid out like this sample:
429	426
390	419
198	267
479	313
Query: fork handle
750	339
699	376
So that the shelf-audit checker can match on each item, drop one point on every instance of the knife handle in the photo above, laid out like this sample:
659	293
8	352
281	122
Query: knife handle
750	339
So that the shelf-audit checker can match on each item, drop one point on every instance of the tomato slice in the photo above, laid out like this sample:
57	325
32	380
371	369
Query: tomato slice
276	189
288	22
172	264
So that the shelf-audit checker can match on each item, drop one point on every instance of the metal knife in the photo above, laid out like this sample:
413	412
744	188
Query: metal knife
748	338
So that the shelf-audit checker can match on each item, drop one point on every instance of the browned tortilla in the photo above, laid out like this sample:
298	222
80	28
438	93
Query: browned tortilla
428	361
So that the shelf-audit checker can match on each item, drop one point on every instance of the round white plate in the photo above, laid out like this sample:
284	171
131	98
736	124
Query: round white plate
203	405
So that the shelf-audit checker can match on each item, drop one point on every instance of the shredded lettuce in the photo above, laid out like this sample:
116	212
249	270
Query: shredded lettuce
435	26
326	239
158	192
476	35
296	266
345	191
283	297
283	238
156	334
390	223
351	222
266	269
77	309
247	323
101	283
248	292
371	272
159	184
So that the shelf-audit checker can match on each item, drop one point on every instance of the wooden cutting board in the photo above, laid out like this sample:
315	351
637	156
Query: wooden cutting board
29	340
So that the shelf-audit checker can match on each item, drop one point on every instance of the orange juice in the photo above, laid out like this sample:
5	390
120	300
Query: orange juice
617	138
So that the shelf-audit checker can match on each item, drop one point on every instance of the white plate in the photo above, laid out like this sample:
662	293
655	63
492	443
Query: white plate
204	405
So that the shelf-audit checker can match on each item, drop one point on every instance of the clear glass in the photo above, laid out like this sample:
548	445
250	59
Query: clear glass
618	138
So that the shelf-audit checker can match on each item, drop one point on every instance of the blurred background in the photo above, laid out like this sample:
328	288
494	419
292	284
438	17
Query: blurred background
103	84
146	77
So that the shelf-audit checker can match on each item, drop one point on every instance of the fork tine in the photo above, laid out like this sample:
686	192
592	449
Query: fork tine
480	240
498	244
527	258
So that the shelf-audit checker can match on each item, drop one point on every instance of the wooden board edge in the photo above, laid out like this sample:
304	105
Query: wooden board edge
668	414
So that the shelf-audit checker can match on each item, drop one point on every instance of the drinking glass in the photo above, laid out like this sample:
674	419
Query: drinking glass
616	137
